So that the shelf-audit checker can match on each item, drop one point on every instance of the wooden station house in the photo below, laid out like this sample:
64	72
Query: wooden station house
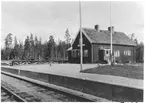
96	46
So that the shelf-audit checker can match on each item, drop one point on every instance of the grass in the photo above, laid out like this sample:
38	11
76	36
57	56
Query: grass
135	72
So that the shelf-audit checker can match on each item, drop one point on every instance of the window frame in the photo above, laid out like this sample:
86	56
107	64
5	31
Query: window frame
84	53
127	52
74	53
116	53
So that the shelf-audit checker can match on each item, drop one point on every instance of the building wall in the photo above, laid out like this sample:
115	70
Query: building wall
87	46
125	58
93	52
69	56
121	48
95	49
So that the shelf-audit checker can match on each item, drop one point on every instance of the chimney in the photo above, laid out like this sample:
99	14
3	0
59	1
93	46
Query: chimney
109	29
97	28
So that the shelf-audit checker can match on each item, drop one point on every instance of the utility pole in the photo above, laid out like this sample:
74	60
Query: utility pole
81	47
111	33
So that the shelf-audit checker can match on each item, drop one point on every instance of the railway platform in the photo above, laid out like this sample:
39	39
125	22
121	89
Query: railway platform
68	75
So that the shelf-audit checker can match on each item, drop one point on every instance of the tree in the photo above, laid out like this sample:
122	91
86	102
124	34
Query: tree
3	54
46	51
12	54
136	41
67	38
8	40
31	47
8	44
36	48
140	53
20	50
16	49
132	36
40	47
139	48
51	45
59	50
26	48
64	49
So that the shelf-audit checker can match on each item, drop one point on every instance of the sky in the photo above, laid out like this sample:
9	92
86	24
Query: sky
53	18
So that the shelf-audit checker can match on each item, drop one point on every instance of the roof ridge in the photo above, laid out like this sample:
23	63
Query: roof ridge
102	30
93	29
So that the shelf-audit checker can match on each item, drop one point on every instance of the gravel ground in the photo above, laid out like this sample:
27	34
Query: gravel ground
5	97
33	93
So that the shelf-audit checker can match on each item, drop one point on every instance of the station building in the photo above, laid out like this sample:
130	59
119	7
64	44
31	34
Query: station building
96	46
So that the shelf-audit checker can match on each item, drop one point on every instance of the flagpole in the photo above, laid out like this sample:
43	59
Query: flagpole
111	32
81	48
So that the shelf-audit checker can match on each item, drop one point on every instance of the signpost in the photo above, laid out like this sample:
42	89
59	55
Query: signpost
81	47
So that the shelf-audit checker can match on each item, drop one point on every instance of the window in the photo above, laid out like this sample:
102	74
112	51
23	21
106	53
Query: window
124	52
106	52
73	53
127	52
78	53
85	53
117	53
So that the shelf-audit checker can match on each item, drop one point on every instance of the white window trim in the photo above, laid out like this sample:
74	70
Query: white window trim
116	53
127	52
86	54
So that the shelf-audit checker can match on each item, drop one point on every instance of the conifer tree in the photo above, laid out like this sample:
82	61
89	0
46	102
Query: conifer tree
16	49
8	44
27	48
67	38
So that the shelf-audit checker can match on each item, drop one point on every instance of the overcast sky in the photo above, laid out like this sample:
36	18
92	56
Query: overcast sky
46	18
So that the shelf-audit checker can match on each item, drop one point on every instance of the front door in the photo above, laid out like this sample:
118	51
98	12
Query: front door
104	55
101	55
107	55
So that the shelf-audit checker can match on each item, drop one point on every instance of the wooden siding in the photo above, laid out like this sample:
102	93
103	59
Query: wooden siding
95	53
69	56
125	58
121	48
87	46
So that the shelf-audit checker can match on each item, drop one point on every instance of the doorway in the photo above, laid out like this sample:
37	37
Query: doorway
104	55
101	55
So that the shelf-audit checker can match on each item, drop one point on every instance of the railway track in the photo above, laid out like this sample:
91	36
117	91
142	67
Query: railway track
61	95
13	96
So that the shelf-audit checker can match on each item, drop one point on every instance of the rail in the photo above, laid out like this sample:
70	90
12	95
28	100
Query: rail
80	97
15	96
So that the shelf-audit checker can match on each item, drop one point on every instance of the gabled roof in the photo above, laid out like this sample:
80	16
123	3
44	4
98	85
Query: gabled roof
78	34
103	36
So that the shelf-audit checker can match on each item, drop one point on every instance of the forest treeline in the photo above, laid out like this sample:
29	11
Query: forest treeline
34	49
139	49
